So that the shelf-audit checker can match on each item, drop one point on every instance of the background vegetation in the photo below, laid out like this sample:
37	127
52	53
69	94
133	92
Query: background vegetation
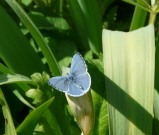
38	38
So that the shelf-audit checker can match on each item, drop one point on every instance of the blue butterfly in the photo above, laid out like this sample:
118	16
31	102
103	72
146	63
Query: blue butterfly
77	82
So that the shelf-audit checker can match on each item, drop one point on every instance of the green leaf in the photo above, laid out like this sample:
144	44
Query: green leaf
88	23
4	69
9	125
99	97
26	2
28	125
129	72
142	3
36	35
156	93
49	23
139	18
13	43
22	99
156	113
52	123
8	78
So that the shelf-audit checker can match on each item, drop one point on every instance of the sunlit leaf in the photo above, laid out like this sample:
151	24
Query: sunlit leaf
28	125
129	74
9	78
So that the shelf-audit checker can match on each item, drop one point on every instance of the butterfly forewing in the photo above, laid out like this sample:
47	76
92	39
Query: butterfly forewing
60	83
78	65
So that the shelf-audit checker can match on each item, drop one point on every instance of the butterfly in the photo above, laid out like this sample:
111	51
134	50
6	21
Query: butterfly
77	82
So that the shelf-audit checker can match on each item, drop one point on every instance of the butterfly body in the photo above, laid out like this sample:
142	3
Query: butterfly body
77	82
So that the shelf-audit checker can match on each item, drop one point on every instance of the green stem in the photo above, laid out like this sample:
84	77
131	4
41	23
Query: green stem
61	8
152	18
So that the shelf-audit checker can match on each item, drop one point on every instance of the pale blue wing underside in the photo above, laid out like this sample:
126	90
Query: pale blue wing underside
60	83
79	86
84	81
78	65
75	90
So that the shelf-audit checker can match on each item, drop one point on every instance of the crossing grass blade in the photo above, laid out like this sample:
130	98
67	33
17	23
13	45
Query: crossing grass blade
139	18
9	125
28	125
129	72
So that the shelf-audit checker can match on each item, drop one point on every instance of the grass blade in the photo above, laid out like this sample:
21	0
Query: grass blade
88	23
139	18
9	125
28	125
8	78
36	35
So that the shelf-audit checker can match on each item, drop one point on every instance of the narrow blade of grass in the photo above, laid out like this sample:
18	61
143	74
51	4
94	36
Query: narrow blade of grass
139	18
28	125
88	23
9	125
8	78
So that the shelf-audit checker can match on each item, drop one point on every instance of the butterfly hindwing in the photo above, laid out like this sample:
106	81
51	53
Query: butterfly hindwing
84	81
75	90
60	83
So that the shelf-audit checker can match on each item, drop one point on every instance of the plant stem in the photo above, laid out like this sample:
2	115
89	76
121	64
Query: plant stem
152	18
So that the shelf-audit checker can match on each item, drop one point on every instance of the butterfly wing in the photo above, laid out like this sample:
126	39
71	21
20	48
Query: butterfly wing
80	85
75	90
84	81
78	82
60	83
78	65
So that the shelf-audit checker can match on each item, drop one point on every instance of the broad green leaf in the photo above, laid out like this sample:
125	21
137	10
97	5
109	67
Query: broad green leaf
9	125
13	43
129	74
28	125
8	78
36	35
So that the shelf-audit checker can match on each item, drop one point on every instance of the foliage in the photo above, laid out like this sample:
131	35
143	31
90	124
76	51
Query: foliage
38	38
